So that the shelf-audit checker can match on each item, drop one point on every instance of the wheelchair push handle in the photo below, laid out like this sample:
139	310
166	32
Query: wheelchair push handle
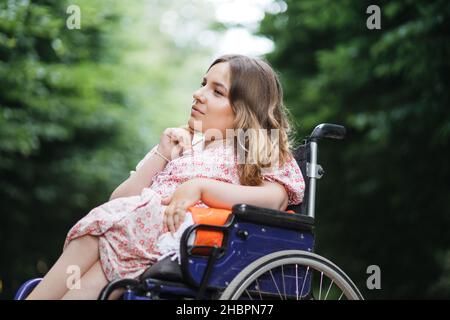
328	131
314	170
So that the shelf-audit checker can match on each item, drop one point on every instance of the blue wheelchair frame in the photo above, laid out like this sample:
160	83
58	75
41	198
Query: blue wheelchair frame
250	233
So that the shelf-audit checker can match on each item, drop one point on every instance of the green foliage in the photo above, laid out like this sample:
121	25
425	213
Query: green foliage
383	200
60	110
78	110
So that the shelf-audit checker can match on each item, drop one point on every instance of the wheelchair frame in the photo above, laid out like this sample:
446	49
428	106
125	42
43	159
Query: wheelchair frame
254	239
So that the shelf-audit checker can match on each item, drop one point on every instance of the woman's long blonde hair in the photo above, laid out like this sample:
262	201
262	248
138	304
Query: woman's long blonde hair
256	97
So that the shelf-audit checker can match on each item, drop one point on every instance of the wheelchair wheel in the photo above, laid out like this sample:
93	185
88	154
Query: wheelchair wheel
291	275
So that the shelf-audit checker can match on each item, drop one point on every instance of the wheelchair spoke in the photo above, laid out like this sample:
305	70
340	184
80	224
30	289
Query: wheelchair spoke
296	280
304	281
284	285
328	291
259	289
342	294
273	279
320	286
249	295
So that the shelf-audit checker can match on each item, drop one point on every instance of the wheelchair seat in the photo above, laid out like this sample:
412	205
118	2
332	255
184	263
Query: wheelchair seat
166	270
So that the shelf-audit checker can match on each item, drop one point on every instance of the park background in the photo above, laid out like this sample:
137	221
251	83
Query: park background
79	108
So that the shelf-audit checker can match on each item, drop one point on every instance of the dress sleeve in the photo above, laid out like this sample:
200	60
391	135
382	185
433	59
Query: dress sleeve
290	177
148	155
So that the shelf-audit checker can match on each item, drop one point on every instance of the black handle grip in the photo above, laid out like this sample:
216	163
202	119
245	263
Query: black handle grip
328	131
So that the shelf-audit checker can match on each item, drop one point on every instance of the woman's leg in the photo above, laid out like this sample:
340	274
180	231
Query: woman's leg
91	284
77	258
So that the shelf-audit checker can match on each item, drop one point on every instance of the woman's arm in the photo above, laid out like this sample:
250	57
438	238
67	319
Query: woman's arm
219	194
173	142
140	179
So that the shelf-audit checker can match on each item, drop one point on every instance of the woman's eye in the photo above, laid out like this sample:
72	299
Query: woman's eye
218	92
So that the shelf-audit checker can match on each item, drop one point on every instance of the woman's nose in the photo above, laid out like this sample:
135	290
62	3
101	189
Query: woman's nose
198	96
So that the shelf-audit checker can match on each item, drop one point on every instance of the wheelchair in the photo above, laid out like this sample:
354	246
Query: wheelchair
264	253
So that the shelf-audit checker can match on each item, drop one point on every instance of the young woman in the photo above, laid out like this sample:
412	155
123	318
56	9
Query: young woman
118	239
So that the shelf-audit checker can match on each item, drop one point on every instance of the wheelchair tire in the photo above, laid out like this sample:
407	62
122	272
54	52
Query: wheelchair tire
245	285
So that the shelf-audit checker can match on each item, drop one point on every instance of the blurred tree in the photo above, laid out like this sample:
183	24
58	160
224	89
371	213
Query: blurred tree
61	109
78	110
384	199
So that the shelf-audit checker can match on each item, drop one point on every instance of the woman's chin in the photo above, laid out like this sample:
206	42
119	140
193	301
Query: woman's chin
195	124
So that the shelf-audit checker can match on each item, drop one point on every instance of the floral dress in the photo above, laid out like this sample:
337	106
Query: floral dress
129	227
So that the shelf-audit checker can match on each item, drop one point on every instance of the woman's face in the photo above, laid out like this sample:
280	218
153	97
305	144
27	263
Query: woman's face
211	108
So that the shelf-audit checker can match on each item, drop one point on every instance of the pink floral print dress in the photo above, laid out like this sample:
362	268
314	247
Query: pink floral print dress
129	227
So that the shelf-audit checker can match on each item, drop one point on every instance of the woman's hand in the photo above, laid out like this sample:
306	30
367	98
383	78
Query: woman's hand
186	195
175	141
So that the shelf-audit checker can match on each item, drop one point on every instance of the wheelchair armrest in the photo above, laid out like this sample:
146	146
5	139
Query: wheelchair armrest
187	250
273	217
209	254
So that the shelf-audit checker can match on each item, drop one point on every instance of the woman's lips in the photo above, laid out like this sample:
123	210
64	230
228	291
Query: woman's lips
195	110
